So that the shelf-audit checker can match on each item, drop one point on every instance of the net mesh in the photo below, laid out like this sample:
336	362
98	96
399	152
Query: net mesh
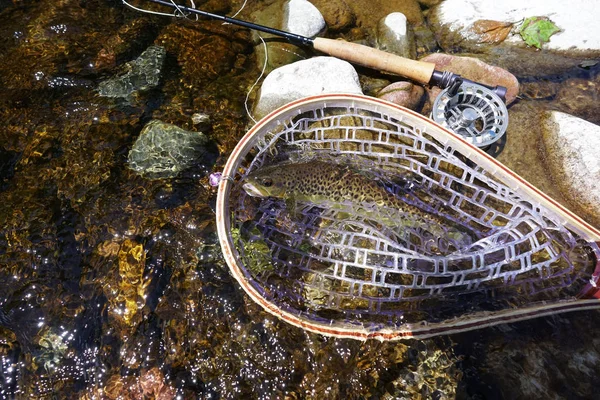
337	263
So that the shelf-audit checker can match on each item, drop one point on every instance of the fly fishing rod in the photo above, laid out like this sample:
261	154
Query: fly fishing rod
471	109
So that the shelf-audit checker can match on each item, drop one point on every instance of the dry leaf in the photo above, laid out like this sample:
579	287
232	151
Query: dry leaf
490	31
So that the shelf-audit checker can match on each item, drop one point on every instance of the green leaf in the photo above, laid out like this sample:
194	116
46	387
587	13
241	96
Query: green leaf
536	31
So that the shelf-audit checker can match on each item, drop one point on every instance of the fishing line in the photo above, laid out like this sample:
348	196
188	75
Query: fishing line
181	14
238	11
149	11
174	14
264	68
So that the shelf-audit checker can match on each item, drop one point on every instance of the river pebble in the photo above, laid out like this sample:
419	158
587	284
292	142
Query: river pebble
337	14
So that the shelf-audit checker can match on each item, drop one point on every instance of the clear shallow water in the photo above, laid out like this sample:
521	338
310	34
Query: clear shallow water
112	285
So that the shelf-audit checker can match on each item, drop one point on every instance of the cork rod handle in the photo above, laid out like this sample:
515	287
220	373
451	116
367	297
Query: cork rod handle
418	71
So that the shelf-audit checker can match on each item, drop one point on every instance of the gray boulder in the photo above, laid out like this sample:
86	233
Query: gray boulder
302	18
572	145
306	78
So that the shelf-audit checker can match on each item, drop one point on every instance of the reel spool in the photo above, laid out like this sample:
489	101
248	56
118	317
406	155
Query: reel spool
475	113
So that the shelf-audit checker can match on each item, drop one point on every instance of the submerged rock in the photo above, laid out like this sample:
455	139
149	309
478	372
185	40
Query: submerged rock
142	74
163	150
394	35
578	97
370	12
457	25
371	85
306	78
405	94
295	16
429	3
572	154
337	14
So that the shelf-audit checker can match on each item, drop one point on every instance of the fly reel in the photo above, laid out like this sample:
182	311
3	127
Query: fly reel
474	112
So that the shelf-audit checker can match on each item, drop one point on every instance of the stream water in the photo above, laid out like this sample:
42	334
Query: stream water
113	285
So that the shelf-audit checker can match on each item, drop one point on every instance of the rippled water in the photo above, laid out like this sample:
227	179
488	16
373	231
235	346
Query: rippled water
113	286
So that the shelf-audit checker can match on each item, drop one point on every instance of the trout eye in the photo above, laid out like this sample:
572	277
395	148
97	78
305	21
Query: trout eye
267	182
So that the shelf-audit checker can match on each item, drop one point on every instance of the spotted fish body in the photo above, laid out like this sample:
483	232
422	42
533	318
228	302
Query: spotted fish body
328	185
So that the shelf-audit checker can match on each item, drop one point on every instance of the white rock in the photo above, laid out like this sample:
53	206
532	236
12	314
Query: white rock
394	35
572	144
302	18
306	78
396	22
578	19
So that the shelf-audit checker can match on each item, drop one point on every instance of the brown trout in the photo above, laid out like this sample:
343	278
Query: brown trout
330	185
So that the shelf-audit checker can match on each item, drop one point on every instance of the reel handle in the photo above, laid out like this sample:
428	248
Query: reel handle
419	71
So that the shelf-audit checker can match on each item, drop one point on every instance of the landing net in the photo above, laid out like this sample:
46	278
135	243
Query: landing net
340	271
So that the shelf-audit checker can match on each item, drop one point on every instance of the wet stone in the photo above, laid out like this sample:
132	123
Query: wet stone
572	153
394	35
201	120
142	74
163	150
337	14
372	85
296	16
404	94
